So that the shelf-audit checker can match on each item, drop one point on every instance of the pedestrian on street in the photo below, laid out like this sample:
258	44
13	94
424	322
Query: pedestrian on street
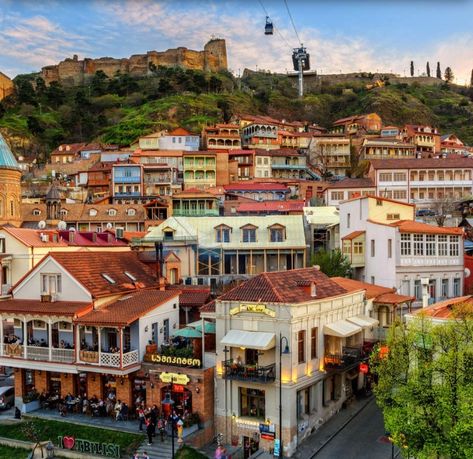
149	430
145	455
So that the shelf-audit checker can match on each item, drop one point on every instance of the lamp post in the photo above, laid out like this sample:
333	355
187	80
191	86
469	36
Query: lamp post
282	339
168	401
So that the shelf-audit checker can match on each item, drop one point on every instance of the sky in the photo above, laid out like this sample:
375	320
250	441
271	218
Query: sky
340	35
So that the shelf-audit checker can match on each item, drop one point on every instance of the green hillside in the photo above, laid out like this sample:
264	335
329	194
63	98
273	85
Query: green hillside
120	109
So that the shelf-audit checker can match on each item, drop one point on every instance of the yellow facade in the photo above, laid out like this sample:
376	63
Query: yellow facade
386	211
6	86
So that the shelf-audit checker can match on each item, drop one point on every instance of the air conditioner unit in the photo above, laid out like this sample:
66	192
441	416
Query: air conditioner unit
45	297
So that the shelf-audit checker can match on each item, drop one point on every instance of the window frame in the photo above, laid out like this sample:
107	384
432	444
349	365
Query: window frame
301	352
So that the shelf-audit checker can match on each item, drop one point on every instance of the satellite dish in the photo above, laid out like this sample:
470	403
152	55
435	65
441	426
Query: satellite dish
467	272
41	224
62	225
109	225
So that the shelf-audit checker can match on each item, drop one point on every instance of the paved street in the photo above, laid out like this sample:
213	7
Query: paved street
361	438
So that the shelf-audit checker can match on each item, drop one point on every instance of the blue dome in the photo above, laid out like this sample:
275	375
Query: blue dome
7	159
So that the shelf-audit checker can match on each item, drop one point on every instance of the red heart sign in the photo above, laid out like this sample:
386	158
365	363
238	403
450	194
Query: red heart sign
68	442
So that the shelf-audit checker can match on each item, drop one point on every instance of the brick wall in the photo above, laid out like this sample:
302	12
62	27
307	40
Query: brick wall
41	380
124	391
19	381
94	385
67	384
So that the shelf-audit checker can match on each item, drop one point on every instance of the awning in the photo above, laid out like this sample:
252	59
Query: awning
253	340
363	321
341	329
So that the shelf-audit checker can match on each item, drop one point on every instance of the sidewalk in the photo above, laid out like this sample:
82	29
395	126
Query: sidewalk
313	444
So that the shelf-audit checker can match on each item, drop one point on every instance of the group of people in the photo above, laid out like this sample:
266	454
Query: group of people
12	339
84	346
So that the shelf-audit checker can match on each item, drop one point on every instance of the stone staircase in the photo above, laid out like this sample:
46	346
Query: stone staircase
158	449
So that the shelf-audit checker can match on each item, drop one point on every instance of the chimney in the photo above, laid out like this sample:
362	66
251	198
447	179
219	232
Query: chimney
309	287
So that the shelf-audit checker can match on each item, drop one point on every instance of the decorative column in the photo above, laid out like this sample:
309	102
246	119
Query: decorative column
50	339
99	339
77	344
25	337
120	334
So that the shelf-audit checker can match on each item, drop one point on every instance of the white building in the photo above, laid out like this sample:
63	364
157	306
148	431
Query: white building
387	247
317	325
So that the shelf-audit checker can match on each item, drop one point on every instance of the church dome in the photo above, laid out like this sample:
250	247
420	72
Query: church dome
7	159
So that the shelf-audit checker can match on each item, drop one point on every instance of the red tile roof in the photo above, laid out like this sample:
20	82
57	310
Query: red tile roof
352	183
179	131
444	309
409	226
256	186
353	235
129	308
377	292
209	307
422	163
88	268
63	308
285	287
192	295
271	206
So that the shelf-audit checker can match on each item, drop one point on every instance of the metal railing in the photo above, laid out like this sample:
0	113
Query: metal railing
254	373
38	353
348	357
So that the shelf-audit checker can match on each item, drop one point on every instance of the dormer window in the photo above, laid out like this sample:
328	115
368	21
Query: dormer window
131	212
130	276
63	212
168	234
50	284
248	233
277	233
108	278
222	233
92	212
112	212
36	212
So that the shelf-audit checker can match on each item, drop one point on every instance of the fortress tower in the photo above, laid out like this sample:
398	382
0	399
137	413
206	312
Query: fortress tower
215	55
10	186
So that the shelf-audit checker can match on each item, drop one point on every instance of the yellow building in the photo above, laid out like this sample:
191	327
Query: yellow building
200	170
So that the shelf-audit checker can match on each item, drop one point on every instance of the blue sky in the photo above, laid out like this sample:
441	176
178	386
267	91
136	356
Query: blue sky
341	35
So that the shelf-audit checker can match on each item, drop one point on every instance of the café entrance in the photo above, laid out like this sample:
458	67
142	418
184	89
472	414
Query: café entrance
182	399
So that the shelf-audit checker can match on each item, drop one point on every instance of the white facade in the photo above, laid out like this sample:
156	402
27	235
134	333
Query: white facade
334	196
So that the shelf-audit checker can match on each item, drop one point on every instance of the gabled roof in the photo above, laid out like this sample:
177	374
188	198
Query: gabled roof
192	295
444	309
89	269
7	159
180	131
128	309
285	287
353	235
60	308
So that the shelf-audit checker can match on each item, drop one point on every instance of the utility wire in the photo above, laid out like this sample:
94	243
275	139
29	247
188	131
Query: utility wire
292	21
275	28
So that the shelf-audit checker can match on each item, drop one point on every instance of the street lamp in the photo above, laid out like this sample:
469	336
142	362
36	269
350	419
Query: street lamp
168	401
282	339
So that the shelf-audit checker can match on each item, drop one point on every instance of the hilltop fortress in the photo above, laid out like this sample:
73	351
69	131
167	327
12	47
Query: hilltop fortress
75	72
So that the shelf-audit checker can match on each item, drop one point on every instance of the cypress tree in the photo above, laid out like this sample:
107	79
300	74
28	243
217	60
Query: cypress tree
412	68
471	79
439	72
428	69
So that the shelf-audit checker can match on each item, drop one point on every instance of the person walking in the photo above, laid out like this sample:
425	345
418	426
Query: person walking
145	455
149	430
141	416
161	428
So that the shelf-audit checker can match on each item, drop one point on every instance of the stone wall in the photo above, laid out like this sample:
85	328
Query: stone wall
75	72
6	86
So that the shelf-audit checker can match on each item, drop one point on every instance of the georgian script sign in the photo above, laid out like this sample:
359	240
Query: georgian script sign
255	308
173	360
91	447
174	378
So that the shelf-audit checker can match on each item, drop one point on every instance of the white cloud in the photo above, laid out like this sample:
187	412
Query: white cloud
36	41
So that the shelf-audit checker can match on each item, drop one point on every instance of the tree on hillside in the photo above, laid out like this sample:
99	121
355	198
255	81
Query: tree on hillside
55	94
448	75
471	79
332	263
412	68
424	386
98	84
428	69
439	72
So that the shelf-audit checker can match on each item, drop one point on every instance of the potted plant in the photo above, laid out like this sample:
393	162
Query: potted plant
152	347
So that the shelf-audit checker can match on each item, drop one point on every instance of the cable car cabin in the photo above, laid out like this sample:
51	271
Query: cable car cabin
268	28
303	56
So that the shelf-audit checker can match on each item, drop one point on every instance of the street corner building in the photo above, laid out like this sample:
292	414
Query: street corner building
289	347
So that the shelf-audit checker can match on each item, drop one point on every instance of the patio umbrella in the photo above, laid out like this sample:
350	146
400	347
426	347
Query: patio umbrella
209	327
188	332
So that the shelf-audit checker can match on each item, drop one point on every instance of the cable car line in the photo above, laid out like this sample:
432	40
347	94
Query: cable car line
292	21
274	27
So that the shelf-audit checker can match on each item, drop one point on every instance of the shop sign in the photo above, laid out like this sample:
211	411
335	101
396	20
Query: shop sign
277	447
246	423
267	431
174	378
90	447
253	308
173	360
177	388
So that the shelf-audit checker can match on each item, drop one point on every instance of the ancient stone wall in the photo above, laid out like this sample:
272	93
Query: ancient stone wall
6	86
75	72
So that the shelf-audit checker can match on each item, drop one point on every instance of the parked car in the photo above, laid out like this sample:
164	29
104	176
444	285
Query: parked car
425	213
7	397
